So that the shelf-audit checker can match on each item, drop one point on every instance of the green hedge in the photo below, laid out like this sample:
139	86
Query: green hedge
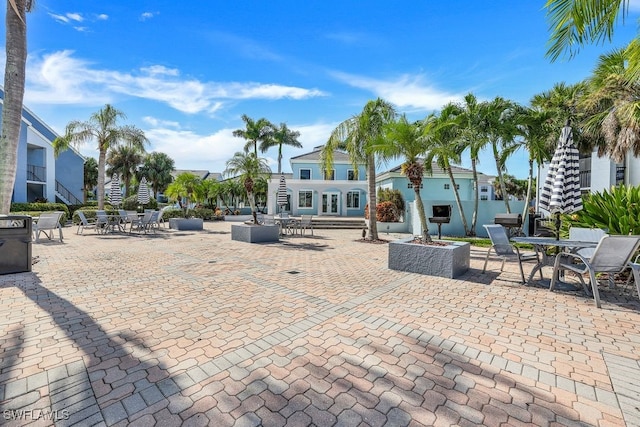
39	207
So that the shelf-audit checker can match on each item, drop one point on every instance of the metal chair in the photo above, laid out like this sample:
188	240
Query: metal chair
503	248
48	222
85	223
612	255
586	235
306	222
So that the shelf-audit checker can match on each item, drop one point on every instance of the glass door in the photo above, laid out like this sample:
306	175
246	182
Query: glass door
330	203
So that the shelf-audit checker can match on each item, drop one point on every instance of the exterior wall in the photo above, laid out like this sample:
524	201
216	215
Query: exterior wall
340	170
487	210
35	152
432	187
603	173
318	187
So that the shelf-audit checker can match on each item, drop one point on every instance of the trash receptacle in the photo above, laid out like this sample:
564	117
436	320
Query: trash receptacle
15	244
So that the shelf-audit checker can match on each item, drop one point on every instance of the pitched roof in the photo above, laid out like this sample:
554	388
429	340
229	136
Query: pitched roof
338	156
202	174
437	170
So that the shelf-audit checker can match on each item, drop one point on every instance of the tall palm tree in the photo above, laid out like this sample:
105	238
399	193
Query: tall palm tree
280	136
356	135
256	131
124	161
14	78
611	106
103	128
248	167
472	135
501	131
444	148
90	174
535	126
157	168
403	139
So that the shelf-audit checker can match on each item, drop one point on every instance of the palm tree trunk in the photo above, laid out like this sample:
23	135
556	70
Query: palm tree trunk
459	202
279	159
426	237
252	204
102	156
14	76
527	199
503	191
476	198
371	176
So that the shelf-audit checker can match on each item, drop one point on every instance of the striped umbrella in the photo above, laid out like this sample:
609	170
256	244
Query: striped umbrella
115	193
143	192
281	198
561	192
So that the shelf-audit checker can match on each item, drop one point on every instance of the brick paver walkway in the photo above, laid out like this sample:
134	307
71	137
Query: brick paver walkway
192	328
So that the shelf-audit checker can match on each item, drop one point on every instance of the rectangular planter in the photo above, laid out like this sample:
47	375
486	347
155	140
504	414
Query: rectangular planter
255	233
448	261
184	224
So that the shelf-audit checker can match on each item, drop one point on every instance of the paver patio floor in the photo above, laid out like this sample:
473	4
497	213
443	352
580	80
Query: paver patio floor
192	328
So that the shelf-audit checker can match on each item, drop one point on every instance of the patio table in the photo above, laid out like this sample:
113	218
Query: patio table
540	245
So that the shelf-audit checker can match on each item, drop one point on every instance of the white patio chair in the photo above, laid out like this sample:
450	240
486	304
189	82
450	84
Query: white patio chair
503	248
85	223
612	255
48	223
102	222
586	235
306	221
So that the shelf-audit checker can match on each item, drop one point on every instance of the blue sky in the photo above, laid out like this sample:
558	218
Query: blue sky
185	74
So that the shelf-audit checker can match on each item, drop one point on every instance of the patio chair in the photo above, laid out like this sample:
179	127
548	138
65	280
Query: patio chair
102	222
85	223
586	235
635	269
148	222
48	223
612	255
503	248
306	222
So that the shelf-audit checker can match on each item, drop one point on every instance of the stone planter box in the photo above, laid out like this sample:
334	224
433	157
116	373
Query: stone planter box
185	224
448	261
255	233
392	227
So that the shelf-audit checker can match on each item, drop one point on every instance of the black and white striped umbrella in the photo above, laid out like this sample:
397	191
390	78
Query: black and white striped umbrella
281	198
143	192
561	191
115	193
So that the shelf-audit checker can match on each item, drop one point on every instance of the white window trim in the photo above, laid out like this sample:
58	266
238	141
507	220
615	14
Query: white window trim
305	169
299	199
359	195
354	175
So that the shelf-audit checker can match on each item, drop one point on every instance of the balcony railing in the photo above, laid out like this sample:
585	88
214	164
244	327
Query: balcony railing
62	190
585	179
620	175
36	173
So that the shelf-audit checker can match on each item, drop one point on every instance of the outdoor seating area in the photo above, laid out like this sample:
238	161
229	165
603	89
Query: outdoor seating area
224	337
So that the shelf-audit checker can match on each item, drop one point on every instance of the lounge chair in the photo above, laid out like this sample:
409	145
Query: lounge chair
612	255
85	223
48	223
306	221
503	248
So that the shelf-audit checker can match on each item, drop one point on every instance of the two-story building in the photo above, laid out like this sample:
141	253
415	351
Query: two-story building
39	175
312	191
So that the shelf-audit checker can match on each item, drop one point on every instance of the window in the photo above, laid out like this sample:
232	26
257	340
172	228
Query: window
353	200
305	199
484	197
410	185
448	186
330	177
305	173
484	189
351	175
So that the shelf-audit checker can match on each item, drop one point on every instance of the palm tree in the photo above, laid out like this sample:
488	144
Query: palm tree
212	191
254	132
405	140
248	167
279	137
124	161
611	106
103	128
445	148
185	189
472	136
231	190
535	126
356	135
90	174
14	78
157	168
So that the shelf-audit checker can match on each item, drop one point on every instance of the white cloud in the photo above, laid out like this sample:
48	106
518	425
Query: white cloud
59	78
148	15
152	121
59	18
102	17
405	91
75	17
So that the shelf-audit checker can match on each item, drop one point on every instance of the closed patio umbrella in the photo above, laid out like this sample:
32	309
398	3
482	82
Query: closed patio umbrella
281	198
561	192
143	192
115	193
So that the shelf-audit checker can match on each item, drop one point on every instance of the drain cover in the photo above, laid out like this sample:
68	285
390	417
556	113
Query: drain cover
293	272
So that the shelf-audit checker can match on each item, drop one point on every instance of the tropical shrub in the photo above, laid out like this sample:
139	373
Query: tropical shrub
131	203
393	196
617	211
386	212
39	207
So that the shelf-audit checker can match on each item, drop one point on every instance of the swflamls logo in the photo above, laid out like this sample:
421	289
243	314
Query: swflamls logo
35	414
